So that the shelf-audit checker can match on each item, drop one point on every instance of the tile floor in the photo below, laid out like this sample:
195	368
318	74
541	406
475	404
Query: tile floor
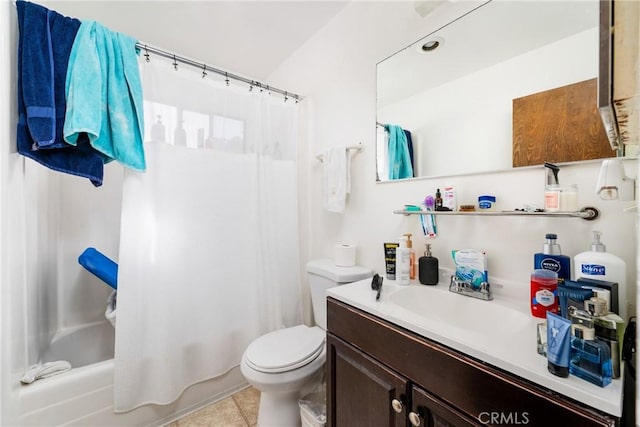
237	410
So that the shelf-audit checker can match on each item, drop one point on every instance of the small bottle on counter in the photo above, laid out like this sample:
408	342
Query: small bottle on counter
402	263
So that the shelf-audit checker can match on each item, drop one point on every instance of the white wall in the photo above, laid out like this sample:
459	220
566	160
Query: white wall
336	70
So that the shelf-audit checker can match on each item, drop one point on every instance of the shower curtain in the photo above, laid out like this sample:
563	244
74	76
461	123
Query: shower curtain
209	237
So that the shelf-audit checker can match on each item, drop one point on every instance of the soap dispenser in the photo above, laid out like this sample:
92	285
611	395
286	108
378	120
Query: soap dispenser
428	267
551	188
412	257
551	258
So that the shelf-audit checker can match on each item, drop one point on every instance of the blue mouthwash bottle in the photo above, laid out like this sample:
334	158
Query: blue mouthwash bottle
551	258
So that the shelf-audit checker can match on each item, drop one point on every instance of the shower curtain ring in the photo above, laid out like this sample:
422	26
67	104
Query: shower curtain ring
175	63
251	86
204	70
226	78
285	97
146	53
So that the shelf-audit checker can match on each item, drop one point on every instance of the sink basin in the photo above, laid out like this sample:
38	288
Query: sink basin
464	313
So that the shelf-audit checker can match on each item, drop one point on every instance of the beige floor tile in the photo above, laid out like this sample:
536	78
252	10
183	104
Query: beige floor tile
224	413
248	400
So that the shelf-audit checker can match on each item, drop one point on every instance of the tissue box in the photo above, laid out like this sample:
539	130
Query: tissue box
471	266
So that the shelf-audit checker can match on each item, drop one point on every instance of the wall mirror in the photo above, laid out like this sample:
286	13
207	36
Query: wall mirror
454	89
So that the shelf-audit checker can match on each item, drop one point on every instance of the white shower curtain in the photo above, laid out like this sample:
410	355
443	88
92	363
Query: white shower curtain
209	238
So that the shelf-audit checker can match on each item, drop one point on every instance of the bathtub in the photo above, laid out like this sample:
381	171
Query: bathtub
83	396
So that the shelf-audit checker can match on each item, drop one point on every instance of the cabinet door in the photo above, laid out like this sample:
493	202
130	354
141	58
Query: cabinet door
428	411
361	391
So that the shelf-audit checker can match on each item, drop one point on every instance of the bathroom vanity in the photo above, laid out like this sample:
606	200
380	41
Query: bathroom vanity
457	364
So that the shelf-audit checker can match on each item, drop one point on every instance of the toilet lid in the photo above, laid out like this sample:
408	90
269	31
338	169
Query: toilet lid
285	349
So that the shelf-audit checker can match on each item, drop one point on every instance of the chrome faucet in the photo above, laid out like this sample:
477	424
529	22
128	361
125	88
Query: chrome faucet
463	287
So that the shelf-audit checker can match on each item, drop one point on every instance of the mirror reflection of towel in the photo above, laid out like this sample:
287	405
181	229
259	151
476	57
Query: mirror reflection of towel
336	178
399	157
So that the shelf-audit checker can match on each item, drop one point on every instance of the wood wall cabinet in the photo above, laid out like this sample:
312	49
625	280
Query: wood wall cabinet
379	374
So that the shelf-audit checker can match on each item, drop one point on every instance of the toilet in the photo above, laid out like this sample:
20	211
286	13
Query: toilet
283	363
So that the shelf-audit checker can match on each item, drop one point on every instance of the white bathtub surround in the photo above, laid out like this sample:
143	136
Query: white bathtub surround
209	236
84	397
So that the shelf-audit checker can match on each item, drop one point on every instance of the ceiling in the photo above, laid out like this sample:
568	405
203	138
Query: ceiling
248	38
495	32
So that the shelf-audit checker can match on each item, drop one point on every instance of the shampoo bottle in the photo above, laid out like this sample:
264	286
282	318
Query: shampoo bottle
402	263
428	268
412	258
551	258
600	265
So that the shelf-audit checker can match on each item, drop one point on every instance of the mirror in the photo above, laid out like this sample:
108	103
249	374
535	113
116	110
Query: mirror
457	100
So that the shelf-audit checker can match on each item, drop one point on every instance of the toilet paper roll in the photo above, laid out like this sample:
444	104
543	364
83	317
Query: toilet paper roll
344	255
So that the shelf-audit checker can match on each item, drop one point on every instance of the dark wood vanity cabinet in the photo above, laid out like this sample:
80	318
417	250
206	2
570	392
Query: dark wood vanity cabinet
360	384
379	374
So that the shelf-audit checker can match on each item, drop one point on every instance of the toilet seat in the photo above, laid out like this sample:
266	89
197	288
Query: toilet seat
285	349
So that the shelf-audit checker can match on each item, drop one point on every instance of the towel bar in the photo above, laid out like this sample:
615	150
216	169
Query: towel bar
358	148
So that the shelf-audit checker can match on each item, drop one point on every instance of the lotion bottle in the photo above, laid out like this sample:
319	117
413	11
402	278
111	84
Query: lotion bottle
428	267
402	263
412	258
599	264
551	258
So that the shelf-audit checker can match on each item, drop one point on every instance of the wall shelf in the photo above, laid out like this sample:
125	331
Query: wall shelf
589	213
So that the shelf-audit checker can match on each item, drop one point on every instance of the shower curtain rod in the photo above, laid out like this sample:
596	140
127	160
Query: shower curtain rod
204	67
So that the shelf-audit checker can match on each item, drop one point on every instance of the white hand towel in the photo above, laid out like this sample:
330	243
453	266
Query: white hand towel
336	177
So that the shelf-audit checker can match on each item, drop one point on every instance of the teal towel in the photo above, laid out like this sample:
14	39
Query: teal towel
399	157
104	95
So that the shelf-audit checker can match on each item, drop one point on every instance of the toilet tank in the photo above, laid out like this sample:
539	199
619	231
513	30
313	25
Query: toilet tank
324	274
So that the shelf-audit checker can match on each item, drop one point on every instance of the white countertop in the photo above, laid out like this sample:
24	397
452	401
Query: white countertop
501	332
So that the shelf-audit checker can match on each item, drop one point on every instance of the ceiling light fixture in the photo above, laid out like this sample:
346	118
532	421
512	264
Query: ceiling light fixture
430	44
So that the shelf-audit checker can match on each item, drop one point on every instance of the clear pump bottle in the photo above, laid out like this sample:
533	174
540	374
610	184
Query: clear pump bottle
412	257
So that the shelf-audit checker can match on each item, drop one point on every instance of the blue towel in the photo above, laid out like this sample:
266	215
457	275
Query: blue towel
44	44
399	158
100	265
104	95
410	147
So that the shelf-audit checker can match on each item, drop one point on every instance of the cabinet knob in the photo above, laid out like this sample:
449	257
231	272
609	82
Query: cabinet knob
396	405
414	419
